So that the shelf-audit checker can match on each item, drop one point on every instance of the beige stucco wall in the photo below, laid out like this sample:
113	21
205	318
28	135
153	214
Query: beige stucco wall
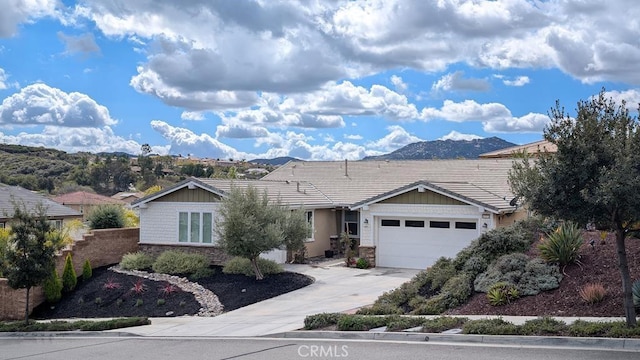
504	220
323	227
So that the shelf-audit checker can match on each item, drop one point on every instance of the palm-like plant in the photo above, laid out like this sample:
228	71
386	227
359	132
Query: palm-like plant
563	245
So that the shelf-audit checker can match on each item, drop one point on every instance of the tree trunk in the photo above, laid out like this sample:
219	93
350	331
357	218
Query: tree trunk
629	309
256	269
26	308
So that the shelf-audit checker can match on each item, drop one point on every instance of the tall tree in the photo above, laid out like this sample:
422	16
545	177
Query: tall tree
593	177
249	224
29	259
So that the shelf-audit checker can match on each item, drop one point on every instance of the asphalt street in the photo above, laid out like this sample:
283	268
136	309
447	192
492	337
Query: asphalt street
99	348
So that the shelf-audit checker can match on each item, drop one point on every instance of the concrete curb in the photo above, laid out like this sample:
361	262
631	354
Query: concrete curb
72	333
541	341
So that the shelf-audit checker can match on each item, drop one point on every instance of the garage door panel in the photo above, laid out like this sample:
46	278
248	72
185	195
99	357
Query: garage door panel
418	248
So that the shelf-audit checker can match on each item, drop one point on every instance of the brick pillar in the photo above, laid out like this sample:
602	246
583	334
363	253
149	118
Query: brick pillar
369	253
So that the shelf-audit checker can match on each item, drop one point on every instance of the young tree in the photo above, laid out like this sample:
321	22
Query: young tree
593	177
30	260
249	224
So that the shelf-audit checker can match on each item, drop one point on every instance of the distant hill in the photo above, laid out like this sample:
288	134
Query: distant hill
445	149
275	161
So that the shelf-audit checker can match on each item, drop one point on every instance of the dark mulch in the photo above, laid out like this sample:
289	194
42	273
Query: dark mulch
598	265
92	300
234	291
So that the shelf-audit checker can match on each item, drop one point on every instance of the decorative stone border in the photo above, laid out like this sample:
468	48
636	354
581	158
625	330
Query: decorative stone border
210	303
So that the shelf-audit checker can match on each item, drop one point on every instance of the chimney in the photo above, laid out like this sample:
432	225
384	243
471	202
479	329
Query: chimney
346	172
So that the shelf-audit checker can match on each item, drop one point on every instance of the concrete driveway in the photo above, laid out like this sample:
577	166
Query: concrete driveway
336	289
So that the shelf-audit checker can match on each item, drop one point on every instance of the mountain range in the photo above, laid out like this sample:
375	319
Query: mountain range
445	149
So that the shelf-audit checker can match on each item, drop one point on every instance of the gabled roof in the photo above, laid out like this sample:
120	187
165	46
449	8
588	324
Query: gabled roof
290	193
10	194
353	182
85	198
533	148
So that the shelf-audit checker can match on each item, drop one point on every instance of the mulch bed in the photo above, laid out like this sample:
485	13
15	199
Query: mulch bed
234	291
598	265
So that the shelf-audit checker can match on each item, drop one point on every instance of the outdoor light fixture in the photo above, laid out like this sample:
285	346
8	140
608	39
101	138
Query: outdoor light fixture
366	221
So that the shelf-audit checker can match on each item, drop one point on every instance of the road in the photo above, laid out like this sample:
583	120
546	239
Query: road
98	348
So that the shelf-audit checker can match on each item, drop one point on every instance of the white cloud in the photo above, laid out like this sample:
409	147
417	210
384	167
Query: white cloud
399	84
454	135
353	137
185	141
40	104
192	115
518	81
531	122
3	79
84	44
456	82
631	97
241	131
78	139
15	12
397	138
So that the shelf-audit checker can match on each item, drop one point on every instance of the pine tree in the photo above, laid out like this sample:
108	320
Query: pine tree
69	277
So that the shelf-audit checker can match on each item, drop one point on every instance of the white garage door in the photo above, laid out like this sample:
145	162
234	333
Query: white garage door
417	243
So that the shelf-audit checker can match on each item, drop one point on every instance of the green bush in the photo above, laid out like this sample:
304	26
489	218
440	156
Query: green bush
107	216
490	327
583	328
52	287
239	265
380	309
69	277
403	322
322	320
443	323
544	326
136	261
530	276
458	289
362	263
438	274
635	291
87	271
83	325
563	245
175	262
361	323
4	246
434	305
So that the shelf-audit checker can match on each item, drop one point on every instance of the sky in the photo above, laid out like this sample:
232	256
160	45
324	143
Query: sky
312	79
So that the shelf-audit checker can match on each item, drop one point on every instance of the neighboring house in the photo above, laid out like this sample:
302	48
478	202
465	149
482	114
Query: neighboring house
542	146
11	195
84	202
128	197
403	214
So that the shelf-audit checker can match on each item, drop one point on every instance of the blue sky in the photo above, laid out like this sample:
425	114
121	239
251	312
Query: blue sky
313	79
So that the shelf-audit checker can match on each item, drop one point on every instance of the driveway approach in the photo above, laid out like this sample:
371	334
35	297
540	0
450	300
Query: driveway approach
336	289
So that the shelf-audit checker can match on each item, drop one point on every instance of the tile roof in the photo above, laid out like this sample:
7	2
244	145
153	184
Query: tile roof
9	194
348	183
85	198
531	148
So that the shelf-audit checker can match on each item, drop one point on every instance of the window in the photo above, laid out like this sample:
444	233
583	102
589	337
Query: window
386	222
56	224
414	223
465	225
195	227
351	222
309	216
439	224
2	225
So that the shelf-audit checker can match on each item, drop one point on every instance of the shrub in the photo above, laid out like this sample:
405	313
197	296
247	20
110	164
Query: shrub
458	289
136	261
635	291
443	323
362	263
52	287
160	302
502	293
87	271
111	284
434	305
543	327
593	293
403	322
138	287
588	328
490	327
239	265
107	216
322	320
361	323
4	246
438	274
139	302
563	245
530	276
380	309
69	277
175	262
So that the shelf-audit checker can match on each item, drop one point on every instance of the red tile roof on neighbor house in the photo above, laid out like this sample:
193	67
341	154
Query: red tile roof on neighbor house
85	198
